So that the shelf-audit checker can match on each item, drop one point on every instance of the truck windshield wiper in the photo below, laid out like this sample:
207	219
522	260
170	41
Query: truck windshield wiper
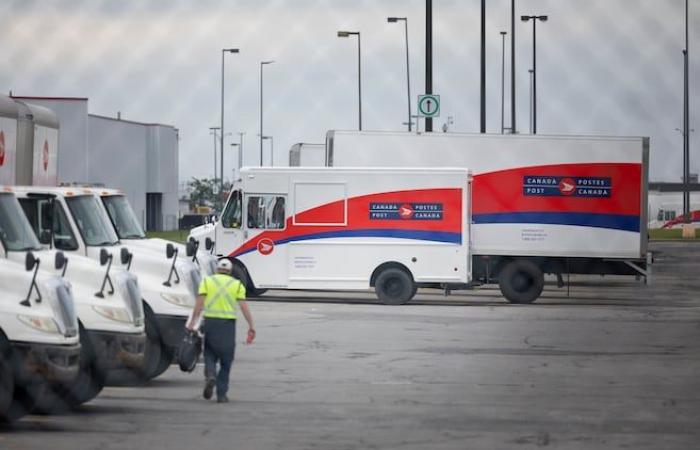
133	236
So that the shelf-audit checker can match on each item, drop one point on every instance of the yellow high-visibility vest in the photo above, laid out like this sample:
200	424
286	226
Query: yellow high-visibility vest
222	292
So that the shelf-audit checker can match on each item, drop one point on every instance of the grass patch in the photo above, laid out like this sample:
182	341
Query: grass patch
670	233
175	235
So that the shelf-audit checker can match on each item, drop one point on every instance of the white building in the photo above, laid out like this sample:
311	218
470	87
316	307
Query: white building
139	158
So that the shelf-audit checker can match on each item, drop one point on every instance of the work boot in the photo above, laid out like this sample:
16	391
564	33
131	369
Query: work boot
221	399
208	388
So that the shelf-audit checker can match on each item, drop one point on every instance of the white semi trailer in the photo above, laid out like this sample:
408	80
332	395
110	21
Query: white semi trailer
541	204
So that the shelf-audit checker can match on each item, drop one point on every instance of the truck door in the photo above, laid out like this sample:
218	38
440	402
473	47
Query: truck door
264	230
228	233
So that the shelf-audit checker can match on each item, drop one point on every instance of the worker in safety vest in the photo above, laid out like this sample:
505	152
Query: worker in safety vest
218	295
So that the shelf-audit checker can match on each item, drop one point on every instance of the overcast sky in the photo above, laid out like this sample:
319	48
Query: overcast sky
603	67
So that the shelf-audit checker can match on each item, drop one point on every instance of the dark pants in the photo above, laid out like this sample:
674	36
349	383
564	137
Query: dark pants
219	346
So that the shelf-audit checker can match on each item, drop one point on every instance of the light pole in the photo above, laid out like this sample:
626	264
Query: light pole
272	150
513	129
686	125
233	146
359	72
534	66
531	72
221	145
408	71
262	63
240	150
213	131
503	79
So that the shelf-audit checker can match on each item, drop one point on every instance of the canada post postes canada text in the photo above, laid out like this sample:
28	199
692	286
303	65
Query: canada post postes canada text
564	186
405	211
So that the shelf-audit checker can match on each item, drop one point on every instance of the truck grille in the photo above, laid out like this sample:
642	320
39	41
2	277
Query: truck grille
66	311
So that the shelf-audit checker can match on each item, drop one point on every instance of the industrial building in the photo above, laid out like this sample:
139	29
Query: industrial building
139	158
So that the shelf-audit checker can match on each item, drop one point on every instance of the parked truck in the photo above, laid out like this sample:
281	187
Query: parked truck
107	302
39	342
541	204
168	285
346	229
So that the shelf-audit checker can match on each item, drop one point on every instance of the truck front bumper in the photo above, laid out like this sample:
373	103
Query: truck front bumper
116	351
171	330
36	363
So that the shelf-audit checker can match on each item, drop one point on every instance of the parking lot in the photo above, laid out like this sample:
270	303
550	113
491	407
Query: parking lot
608	363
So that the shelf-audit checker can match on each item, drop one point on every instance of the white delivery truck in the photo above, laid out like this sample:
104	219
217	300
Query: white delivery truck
541	204
73	220
346	229
130	232
39	343
108	305
307	155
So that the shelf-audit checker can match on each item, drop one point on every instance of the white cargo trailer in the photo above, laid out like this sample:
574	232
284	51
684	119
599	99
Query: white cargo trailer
541	204
346	229
307	155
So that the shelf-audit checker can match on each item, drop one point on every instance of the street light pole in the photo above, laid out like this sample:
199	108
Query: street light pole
534	66
503	78
213	131
359	71
221	145
686	125
408	71
531	72
233	146
262	63
513	129
240	150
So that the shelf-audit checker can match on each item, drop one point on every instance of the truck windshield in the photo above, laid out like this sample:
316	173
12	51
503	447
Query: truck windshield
123	217
92	222
15	231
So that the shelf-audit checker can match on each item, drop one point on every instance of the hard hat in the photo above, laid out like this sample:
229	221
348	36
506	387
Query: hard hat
224	265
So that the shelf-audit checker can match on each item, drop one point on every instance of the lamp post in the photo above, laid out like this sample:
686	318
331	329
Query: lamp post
359	72
240	150
531	72
503	78
686	125
534	66
513	129
233	146
213	131
272	150
408	71
262	63
221	145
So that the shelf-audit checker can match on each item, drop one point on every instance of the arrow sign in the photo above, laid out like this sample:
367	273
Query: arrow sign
429	105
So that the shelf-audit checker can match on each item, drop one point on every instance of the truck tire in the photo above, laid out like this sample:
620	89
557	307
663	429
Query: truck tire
156	357
394	286
521	281
240	273
7	381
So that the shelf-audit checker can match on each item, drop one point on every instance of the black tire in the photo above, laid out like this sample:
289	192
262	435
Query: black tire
521	281
7	381
394	286
240	273
157	358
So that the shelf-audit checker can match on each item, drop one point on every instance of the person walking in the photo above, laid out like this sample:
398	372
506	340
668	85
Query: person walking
218	296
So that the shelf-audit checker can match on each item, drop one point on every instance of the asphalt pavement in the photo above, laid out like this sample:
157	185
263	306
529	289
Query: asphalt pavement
606	363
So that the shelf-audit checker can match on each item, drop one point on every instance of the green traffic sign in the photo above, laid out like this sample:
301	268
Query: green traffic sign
429	105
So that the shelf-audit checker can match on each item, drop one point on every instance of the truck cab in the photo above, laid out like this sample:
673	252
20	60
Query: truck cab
73	220
39	342
108	304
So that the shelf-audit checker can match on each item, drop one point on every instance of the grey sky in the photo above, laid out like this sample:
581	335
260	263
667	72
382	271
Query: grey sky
604	67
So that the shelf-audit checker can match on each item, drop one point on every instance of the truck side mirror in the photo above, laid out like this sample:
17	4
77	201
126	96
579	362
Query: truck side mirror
124	255
60	260
190	248
104	257
208	243
169	251
45	237
30	261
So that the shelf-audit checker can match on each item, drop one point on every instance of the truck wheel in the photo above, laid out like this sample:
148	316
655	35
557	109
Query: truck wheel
89	382
394	286
7	381
521	281
156	358
238	272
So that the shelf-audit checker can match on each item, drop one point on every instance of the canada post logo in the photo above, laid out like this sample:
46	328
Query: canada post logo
552	186
405	211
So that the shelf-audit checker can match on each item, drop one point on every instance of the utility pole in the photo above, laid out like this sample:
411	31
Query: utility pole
483	66
686	126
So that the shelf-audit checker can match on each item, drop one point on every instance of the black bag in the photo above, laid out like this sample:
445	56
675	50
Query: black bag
189	350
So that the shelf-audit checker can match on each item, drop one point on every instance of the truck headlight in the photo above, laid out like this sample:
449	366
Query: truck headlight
179	299
112	313
45	324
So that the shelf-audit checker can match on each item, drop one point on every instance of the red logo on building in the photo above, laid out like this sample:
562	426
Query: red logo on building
567	186
45	154
405	211
2	148
265	246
